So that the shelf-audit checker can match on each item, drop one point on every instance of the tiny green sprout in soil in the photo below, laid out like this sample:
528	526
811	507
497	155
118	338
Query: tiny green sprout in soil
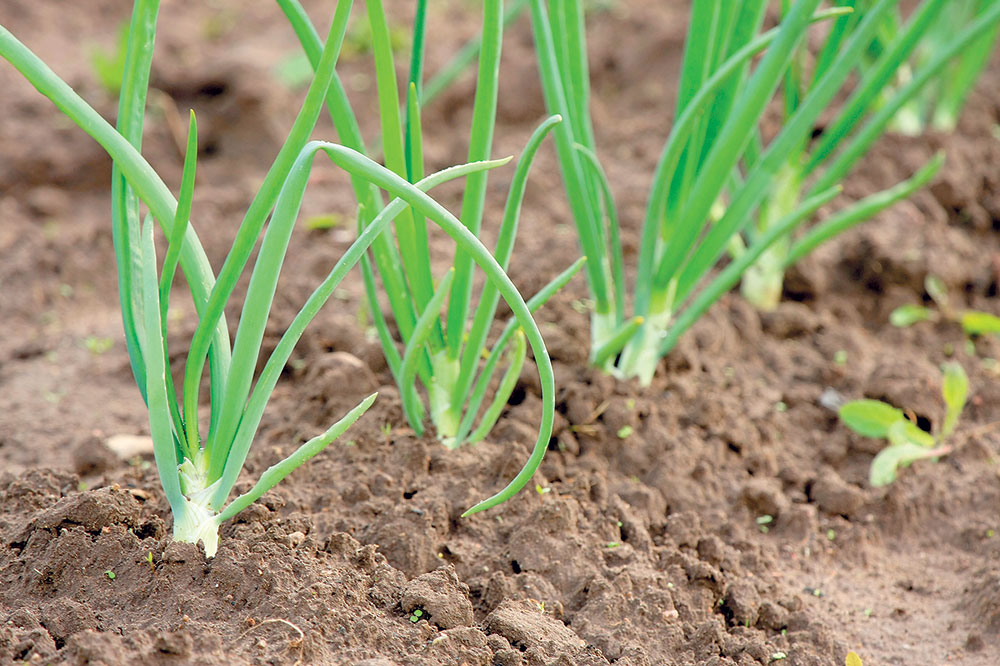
110	574
416	615
108	65
907	443
764	523
972	322
324	222
97	345
717	188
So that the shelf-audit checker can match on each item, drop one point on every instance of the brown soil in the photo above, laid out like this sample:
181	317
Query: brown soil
642	550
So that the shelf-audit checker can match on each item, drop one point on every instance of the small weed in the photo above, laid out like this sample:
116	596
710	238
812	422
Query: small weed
324	222
416	615
973	322
109	65
96	345
764	523
907	442
110	574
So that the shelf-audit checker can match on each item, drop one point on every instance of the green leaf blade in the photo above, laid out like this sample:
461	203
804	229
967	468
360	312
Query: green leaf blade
907	315
980	323
955	391
870	418
889	460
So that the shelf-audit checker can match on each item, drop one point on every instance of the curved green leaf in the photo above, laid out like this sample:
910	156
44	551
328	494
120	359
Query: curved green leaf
871	418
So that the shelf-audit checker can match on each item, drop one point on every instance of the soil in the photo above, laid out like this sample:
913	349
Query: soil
647	549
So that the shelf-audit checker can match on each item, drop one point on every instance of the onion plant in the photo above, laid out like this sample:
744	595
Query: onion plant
199	469
867	114
939	104
442	340
717	186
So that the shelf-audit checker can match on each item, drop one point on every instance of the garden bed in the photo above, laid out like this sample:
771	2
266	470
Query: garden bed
720	516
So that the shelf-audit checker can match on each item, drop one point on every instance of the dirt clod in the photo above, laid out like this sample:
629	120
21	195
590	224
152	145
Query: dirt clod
442	596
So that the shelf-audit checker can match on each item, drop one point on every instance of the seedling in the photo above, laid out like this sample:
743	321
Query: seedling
97	345
323	222
109	64
714	175
907	442
110	574
973	322
198	469
442	341
416	615
764	523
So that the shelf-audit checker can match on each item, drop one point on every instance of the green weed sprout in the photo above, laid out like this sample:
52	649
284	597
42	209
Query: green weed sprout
198	474
973	322
714	172
438	347
907	442
109	64
939	105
